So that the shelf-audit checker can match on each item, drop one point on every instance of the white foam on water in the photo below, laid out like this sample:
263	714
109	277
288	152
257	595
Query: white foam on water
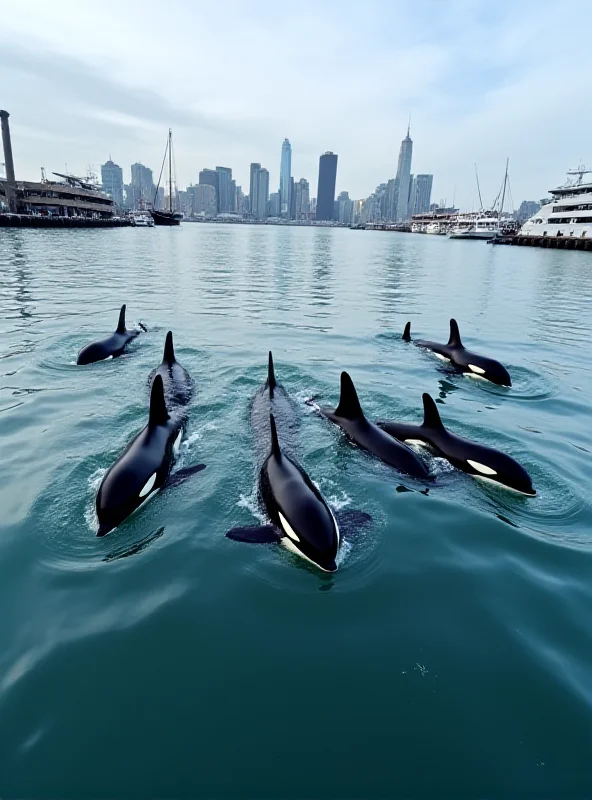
94	480
343	552
198	434
442	465
251	503
337	502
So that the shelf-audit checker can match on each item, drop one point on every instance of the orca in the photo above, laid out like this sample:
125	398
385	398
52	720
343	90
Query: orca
349	416
300	518
464	360
111	347
272	398
178	384
144	467
471	457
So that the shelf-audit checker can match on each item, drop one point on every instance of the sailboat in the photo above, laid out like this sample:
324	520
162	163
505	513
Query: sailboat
162	216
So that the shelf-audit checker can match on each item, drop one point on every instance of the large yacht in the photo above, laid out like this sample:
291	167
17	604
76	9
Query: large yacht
568	214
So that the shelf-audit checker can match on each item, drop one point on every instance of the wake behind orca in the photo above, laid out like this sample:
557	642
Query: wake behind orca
178	384
144	466
350	417
111	347
272	398
461	358
471	457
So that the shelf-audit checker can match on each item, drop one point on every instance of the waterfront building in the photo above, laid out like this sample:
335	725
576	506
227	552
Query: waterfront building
326	186
233	203
204	202
313	207
292	214
159	198
302	205
345	208
388	200
528	208
403	178
112	180
224	190
254	189
412	200
142	185
210	177
274	204
285	175
262	193
423	193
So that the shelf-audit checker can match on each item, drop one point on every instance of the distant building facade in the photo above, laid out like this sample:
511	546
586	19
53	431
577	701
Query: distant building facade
210	177
225	199
262	193
285	175
528	208
112	180
302	207
326	186
423	193
142	185
403	178
274	204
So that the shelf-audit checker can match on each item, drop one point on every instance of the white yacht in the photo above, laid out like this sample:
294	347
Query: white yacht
436	228
479	227
568	214
141	219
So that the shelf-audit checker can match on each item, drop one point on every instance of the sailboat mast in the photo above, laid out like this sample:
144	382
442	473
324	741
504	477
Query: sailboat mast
170	174
478	189
504	190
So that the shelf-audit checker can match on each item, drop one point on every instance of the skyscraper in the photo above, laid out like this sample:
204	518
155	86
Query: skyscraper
423	193
412	196
292	214
403	177
274	204
326	186
142	183
254	189
224	189
302	199
263	194
209	177
285	174
112	180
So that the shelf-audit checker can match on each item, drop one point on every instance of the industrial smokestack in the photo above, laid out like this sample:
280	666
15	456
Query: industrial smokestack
8	162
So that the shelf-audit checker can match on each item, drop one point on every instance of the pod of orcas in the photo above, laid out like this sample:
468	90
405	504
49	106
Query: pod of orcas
298	515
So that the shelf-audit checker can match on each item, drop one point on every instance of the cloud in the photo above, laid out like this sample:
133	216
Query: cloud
482	82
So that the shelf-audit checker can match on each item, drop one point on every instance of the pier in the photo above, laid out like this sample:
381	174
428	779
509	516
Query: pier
38	221
557	242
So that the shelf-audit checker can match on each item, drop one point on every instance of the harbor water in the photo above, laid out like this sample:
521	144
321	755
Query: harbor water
451	653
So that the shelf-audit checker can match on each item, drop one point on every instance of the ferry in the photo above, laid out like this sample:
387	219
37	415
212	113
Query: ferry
436	228
481	227
569	213
141	219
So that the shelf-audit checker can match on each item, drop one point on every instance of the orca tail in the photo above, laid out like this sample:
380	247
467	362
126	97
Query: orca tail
158	410
275	444
271	382
454	340
431	415
349	406
406	337
121	322
169	350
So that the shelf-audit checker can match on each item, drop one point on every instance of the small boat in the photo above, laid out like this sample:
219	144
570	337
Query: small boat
141	219
436	228
166	216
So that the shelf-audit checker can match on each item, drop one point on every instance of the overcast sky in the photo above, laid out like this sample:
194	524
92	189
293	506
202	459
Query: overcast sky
482	81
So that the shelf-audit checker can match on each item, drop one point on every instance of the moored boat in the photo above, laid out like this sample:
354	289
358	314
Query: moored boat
168	216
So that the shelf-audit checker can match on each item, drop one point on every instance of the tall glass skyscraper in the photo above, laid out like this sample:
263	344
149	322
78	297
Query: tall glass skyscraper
424	193
285	175
326	187
224	189
402	179
112	180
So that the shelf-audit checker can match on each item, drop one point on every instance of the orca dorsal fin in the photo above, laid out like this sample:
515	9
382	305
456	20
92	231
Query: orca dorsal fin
121	322
158	410
169	350
406	337
271	382
276	450
454	340
431	415
349	406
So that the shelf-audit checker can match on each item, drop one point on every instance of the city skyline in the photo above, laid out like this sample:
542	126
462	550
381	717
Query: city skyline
478	90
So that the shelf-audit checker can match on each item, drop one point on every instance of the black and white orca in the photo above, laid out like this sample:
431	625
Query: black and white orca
464	360
111	347
300	518
350	417
144	467
178	384
471	457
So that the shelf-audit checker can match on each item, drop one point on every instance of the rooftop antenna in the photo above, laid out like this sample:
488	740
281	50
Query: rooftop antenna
409	126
